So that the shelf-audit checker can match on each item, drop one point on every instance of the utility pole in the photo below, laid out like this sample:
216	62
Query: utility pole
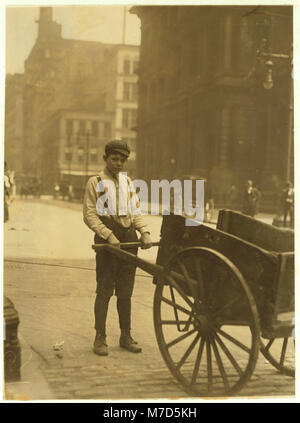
69	159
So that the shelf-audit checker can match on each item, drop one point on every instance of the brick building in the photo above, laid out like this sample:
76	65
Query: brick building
14	121
203	108
84	85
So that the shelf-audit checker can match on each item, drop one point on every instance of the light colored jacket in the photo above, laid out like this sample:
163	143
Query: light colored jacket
91	216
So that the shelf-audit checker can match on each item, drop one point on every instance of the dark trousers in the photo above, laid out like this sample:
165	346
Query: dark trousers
114	276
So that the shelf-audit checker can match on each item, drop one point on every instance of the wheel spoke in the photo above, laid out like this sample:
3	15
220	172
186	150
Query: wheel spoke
283	351
179	290
234	341
209	364
180	338
188	352
177	306
198	361
229	355
173	299
192	285
220	364
269	344
200	278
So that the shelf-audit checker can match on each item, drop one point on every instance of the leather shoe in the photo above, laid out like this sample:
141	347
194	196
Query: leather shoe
100	345
129	344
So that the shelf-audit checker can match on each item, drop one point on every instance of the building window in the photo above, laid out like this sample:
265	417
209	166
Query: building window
126	93
94	128
125	118
135	66
130	91
133	117
94	155
129	118
80	153
126	66
107	129
68	155
69	127
134	87
82	126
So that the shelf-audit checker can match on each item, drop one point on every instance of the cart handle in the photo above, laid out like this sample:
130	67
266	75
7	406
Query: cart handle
124	245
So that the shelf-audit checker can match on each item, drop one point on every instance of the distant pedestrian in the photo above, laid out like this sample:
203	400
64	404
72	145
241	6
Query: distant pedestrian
70	192
24	191
56	190
7	189
13	188
209	202
251	198
288	204
113	274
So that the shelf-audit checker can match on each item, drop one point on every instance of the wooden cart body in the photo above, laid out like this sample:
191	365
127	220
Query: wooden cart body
263	253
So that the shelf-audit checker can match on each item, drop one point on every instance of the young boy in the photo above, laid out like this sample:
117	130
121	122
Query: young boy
112	273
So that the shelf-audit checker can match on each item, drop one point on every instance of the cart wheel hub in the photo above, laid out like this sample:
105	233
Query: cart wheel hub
201	323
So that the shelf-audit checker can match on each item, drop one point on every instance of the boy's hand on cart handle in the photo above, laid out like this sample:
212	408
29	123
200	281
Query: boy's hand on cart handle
146	241
113	240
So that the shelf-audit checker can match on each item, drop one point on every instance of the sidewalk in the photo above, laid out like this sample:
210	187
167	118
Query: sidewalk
33	384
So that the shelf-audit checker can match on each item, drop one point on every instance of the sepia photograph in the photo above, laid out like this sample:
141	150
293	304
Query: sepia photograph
148	237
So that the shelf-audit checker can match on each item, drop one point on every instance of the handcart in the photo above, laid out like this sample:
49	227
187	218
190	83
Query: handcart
222	295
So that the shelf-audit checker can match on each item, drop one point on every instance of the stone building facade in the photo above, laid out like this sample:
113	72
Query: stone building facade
73	147
203	108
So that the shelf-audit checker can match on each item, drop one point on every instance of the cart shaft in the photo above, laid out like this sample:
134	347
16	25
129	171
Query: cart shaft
151	268
125	245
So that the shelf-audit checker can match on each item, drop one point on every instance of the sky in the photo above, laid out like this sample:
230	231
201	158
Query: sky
94	23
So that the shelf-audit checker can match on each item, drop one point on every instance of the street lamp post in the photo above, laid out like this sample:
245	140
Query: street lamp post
265	58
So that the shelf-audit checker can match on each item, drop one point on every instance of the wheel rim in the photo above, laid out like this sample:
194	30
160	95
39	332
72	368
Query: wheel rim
280	352
206	351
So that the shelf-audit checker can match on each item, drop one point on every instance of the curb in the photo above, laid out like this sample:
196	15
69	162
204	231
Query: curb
33	385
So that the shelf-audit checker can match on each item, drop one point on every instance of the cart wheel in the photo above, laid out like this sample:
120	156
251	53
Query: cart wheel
206	323
280	352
